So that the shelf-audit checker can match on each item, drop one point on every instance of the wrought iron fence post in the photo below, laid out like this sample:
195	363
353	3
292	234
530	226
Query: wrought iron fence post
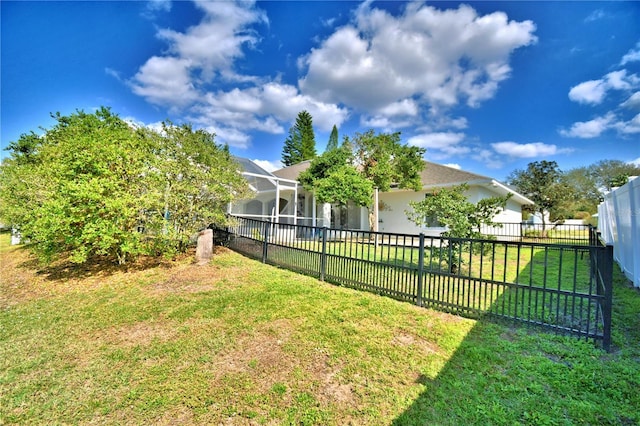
265	242
323	255
419	301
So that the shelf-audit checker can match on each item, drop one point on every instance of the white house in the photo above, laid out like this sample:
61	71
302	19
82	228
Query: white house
279	190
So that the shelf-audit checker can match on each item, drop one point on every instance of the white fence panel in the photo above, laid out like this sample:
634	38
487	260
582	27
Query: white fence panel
619	223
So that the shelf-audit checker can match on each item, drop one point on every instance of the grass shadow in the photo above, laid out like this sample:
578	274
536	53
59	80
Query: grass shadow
503	374
64	269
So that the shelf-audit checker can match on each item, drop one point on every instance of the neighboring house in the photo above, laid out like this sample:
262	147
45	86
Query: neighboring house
392	204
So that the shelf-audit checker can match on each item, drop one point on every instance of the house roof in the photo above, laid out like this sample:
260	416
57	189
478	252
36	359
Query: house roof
292	172
438	175
432	176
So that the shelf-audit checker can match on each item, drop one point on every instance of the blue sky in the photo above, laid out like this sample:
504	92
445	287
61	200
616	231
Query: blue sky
486	86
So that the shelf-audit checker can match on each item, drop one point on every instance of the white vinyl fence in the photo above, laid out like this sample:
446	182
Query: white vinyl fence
619	223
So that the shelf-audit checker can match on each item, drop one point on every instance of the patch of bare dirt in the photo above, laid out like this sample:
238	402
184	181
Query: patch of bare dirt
189	277
265	357
23	278
260	353
18	283
138	334
404	338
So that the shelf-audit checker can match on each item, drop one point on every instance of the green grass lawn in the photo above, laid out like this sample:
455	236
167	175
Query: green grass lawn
239	342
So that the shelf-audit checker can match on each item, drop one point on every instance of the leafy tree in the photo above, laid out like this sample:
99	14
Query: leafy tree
194	181
584	195
542	183
322	166
376	161
81	187
25	147
89	185
611	173
333	139
335	180
300	145
449	207
342	185
384	160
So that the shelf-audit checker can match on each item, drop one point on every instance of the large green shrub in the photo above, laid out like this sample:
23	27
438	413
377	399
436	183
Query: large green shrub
94	185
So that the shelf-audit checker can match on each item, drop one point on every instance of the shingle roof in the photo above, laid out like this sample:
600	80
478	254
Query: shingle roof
436	174
432	175
292	172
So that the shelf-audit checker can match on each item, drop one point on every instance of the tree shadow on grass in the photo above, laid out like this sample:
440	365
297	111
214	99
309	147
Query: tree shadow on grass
99	266
503	373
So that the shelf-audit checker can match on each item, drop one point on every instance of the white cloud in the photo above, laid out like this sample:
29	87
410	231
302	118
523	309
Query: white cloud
229	135
393	69
453	166
445	144
633	102
197	55
488	158
165	81
393	116
635	162
215	43
441	57
632	55
189	78
595	16
588	92
269	166
270	108
154	7
597	126
590	129
594	91
113	73
527	150
629	127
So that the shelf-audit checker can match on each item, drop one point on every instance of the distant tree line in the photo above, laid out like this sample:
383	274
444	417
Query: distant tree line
572	194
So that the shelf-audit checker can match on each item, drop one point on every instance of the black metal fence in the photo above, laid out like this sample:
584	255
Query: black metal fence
563	287
564	233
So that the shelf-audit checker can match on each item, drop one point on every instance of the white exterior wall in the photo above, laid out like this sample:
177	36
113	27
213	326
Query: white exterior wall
395	219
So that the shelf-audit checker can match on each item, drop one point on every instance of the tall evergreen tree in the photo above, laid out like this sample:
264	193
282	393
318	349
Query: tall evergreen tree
292	150
333	139
300	145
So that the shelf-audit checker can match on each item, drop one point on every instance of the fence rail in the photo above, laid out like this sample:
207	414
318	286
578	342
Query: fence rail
564	233
562	287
